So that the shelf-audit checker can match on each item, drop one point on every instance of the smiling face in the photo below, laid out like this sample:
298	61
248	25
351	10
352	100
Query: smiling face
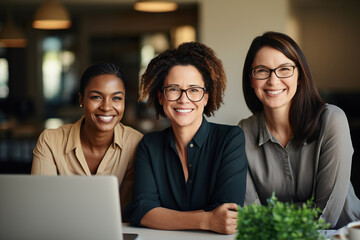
103	102
274	92
183	112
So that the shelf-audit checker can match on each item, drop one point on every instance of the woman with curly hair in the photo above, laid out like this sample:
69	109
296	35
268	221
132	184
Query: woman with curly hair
191	175
298	146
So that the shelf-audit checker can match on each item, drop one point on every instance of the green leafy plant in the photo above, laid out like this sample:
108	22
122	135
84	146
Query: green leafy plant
280	221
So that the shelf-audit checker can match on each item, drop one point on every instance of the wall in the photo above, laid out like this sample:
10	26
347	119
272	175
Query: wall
328	31
330	37
229	27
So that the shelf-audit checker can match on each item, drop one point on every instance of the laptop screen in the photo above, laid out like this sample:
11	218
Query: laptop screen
59	207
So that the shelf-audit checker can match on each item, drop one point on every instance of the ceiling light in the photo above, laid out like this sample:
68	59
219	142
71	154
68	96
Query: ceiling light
51	15
155	6
11	36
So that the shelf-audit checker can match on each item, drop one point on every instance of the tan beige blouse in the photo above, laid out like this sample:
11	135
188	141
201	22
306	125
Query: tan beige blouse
59	152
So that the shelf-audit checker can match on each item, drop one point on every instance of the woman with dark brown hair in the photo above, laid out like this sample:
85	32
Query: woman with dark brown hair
191	175
298	146
98	143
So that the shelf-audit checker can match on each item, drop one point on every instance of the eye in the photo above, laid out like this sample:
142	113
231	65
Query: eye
173	89
118	98
261	70
95	97
284	69
194	90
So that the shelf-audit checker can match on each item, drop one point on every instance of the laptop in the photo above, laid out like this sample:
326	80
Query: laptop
60	207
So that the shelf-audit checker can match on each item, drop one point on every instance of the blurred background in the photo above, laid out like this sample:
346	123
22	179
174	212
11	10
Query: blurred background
40	68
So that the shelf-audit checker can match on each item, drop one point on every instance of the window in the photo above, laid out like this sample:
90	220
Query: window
4	78
58	77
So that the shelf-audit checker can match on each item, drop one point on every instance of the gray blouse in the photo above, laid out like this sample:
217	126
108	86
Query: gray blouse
321	168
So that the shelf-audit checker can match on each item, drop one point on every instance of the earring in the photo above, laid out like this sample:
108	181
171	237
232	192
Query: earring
81	105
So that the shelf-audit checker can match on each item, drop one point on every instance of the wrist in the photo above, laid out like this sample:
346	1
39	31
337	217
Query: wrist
204	221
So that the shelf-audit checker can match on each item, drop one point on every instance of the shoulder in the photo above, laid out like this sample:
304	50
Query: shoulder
250	122
251	125
156	139
221	128
223	132
60	132
334	123
55	138
333	115
127	137
131	132
333	110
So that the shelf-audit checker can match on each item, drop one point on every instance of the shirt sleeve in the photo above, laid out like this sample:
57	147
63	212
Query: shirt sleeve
333	178
145	194
230	180
126	186
251	195
43	161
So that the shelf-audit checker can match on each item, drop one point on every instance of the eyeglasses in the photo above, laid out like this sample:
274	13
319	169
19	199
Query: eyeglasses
262	73
194	94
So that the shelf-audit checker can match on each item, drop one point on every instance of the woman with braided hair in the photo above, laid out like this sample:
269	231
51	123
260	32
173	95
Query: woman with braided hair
191	175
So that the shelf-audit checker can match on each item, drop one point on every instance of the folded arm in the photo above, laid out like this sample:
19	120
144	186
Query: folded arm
223	219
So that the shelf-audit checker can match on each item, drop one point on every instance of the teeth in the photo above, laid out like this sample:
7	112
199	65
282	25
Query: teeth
183	110
274	92
106	118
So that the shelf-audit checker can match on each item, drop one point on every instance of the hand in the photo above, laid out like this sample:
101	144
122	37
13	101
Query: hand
223	219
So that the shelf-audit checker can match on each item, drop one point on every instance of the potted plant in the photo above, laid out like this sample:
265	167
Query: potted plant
280	221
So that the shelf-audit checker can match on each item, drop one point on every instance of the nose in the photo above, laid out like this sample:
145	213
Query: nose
183	97
273	77
106	105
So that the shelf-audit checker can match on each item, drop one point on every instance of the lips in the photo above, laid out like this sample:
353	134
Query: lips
274	92
183	110
106	118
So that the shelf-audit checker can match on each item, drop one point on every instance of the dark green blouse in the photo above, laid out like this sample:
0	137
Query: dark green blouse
217	167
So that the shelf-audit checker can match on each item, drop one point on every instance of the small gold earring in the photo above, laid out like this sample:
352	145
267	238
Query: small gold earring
81	105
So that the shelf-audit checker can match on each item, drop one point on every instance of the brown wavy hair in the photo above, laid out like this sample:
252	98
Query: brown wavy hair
307	105
190	53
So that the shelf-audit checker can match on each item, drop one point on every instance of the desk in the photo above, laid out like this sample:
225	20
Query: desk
152	234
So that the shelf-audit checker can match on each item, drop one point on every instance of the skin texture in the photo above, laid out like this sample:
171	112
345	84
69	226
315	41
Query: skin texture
186	118
275	93
104	105
184	77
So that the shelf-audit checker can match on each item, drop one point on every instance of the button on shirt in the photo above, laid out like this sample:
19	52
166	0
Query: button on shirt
320	168
217	168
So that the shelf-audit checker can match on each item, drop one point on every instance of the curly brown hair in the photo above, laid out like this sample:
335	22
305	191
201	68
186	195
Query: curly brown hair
190	53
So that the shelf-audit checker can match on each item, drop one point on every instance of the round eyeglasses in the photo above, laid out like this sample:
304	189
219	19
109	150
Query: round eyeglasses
194	94
262	73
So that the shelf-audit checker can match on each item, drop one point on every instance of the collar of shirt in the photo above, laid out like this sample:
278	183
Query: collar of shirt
264	133
74	136
199	138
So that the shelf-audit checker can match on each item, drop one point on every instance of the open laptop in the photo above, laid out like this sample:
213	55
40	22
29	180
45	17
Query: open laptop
60	207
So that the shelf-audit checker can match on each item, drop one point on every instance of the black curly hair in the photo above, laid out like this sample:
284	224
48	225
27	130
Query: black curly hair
196	54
